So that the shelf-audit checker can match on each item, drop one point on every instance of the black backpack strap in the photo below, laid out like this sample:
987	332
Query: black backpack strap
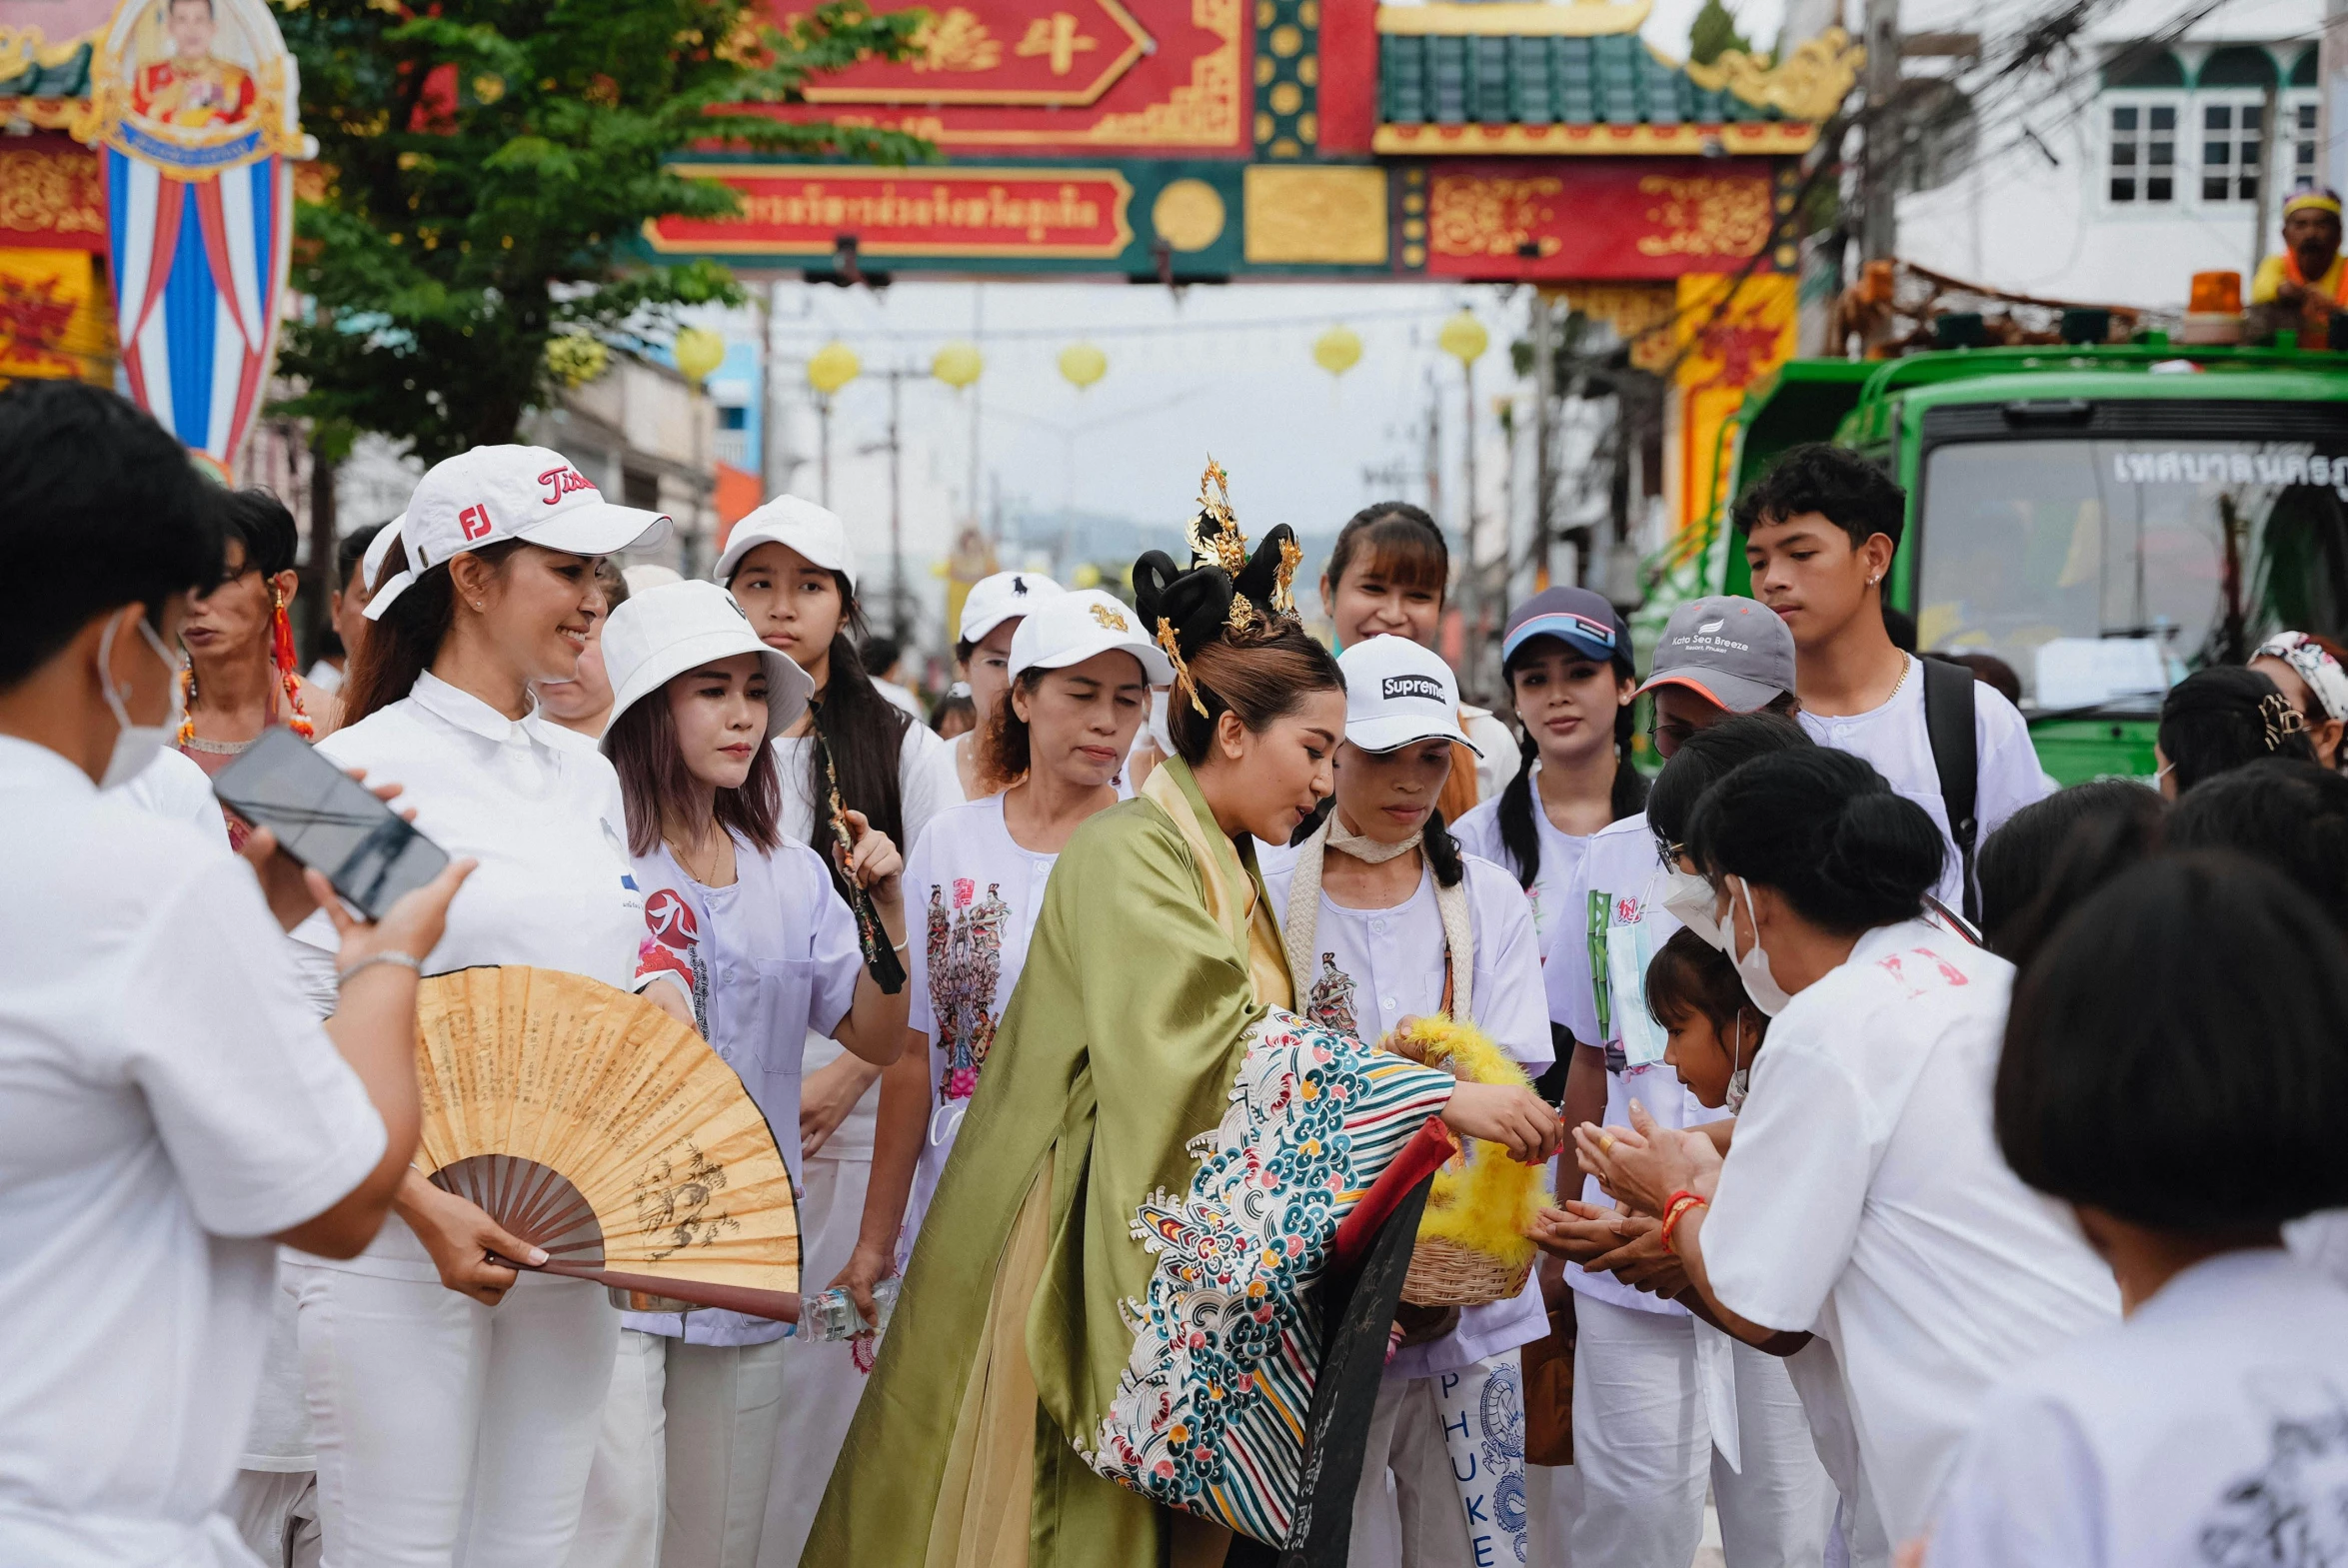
1948	726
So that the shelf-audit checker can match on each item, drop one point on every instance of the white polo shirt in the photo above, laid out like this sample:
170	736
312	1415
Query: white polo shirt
972	898
542	815
1478	834
1864	1200
1894	740
2210	1428
167	1104
1379	967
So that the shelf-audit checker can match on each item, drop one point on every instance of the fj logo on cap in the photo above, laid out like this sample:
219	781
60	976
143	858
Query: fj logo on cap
474	522
1109	620
563	482
1412	686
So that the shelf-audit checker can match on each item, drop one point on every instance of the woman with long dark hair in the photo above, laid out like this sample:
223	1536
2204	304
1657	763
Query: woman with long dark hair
1566	656
454	1401
748	922
1156	1157
790	567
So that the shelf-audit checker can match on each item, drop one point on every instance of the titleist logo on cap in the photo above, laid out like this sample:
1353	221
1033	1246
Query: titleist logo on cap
1412	686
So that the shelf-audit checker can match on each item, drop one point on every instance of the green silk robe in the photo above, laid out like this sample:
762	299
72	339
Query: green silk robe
1153	955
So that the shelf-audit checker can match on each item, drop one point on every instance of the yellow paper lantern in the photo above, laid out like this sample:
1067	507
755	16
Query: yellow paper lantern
1087	575
957	365
834	366
1465	339
1338	350
1083	365
699	352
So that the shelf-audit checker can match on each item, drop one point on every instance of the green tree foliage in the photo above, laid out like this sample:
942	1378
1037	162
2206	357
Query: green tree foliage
1713	33
487	165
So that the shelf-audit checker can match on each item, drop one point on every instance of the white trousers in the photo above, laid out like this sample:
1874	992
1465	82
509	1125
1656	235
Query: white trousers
1643	1444
1552	1501
275	1511
822	1381
451	1434
684	1457
1443	1473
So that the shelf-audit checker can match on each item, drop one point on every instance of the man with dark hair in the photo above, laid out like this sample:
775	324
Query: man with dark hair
1821	530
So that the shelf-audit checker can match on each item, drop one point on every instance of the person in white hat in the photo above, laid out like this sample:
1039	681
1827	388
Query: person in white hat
454	1402
748	922
1385	920
582	706
1081	669
792	568
991	618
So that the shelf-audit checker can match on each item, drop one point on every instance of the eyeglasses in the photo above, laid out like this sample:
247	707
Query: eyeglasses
1673	731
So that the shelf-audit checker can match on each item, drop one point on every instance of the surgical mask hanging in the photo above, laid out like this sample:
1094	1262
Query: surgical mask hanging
1752	966
1690	900
1740	1075
135	746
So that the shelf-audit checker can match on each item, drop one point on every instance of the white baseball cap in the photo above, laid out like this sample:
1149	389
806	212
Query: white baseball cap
490	494
799	525
1068	628
995	599
1398	692
371	563
664	632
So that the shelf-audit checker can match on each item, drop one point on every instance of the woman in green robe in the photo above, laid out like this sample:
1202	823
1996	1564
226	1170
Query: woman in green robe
1112	1279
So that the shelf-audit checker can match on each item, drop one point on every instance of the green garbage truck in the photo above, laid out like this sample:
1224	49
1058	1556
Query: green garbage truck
2102	519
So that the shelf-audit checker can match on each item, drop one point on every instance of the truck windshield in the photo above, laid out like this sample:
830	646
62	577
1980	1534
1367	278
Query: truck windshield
2101	569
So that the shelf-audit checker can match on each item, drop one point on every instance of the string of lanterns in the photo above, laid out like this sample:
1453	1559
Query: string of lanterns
960	364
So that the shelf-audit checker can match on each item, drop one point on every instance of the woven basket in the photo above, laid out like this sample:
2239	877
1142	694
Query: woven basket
1445	1273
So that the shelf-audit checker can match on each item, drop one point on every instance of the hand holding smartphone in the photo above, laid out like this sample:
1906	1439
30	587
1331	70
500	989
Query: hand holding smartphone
329	822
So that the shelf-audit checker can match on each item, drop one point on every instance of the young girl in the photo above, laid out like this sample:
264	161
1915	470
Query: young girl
1385	578
455	1403
792	568
1568	658
991	618
1081	672
749	924
1712	1031
2197	1004
1384	922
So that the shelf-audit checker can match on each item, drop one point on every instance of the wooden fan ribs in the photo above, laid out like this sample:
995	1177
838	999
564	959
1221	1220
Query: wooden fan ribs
587	1122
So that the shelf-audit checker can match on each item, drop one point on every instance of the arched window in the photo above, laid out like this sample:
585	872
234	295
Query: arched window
2142	109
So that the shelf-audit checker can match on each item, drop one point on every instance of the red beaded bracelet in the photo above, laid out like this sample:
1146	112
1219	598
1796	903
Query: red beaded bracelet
1682	1202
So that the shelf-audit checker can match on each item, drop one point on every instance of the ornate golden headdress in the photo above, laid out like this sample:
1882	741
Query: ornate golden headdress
1227	589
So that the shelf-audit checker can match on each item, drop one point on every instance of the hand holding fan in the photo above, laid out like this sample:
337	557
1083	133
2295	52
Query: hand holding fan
589	1122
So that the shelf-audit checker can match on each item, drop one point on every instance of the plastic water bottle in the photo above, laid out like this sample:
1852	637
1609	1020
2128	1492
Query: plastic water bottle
833	1315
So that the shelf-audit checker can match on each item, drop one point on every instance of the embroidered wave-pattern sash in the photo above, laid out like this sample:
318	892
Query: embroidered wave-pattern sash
1209	1413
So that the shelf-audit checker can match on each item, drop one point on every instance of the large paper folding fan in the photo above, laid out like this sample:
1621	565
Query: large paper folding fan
591	1123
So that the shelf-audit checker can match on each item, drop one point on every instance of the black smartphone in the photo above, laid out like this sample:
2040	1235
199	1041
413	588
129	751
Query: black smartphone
329	822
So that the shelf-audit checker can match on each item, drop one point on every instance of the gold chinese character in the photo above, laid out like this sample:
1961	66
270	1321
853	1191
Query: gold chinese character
956	41
1056	36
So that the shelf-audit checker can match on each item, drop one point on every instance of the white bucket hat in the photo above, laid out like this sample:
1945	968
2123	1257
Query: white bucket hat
1069	628
664	632
995	599
799	525
490	494
1398	692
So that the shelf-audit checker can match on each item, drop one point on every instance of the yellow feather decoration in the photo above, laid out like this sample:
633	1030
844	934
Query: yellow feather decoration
1482	1200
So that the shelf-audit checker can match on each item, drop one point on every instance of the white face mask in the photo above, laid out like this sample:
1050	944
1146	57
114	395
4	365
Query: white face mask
135	746
1740	1077
1690	900
1752	968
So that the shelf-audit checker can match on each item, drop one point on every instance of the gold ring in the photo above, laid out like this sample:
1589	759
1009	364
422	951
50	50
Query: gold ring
1605	1143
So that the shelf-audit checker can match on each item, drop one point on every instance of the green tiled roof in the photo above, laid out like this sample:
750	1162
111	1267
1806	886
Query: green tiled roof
1476	80
69	78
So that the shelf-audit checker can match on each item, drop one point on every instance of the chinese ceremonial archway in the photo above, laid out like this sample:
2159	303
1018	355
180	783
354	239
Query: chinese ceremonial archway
196	117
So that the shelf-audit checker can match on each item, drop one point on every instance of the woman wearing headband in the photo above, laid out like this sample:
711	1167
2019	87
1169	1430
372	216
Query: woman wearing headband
1103	1347
453	1400
790	567
2312	674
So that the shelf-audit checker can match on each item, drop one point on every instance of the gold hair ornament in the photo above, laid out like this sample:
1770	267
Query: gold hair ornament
1173	651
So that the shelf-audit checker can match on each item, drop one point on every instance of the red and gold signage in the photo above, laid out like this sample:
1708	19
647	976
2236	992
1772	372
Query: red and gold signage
1048	75
1009	213
52	321
51	195
1643	218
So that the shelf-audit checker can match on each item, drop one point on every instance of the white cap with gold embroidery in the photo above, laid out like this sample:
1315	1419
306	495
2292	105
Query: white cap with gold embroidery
1068	628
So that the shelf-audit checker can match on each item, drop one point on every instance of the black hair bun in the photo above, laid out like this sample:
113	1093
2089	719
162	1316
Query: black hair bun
1197	601
1260	582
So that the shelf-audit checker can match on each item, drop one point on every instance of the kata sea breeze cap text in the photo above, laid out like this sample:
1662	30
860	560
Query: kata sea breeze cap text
664	632
814	531
1398	692
490	494
1068	628
1733	653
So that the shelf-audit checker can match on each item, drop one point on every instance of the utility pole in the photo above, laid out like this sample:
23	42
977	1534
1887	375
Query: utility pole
1471	575
1544	433
1878	239
2273	166
2331	164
